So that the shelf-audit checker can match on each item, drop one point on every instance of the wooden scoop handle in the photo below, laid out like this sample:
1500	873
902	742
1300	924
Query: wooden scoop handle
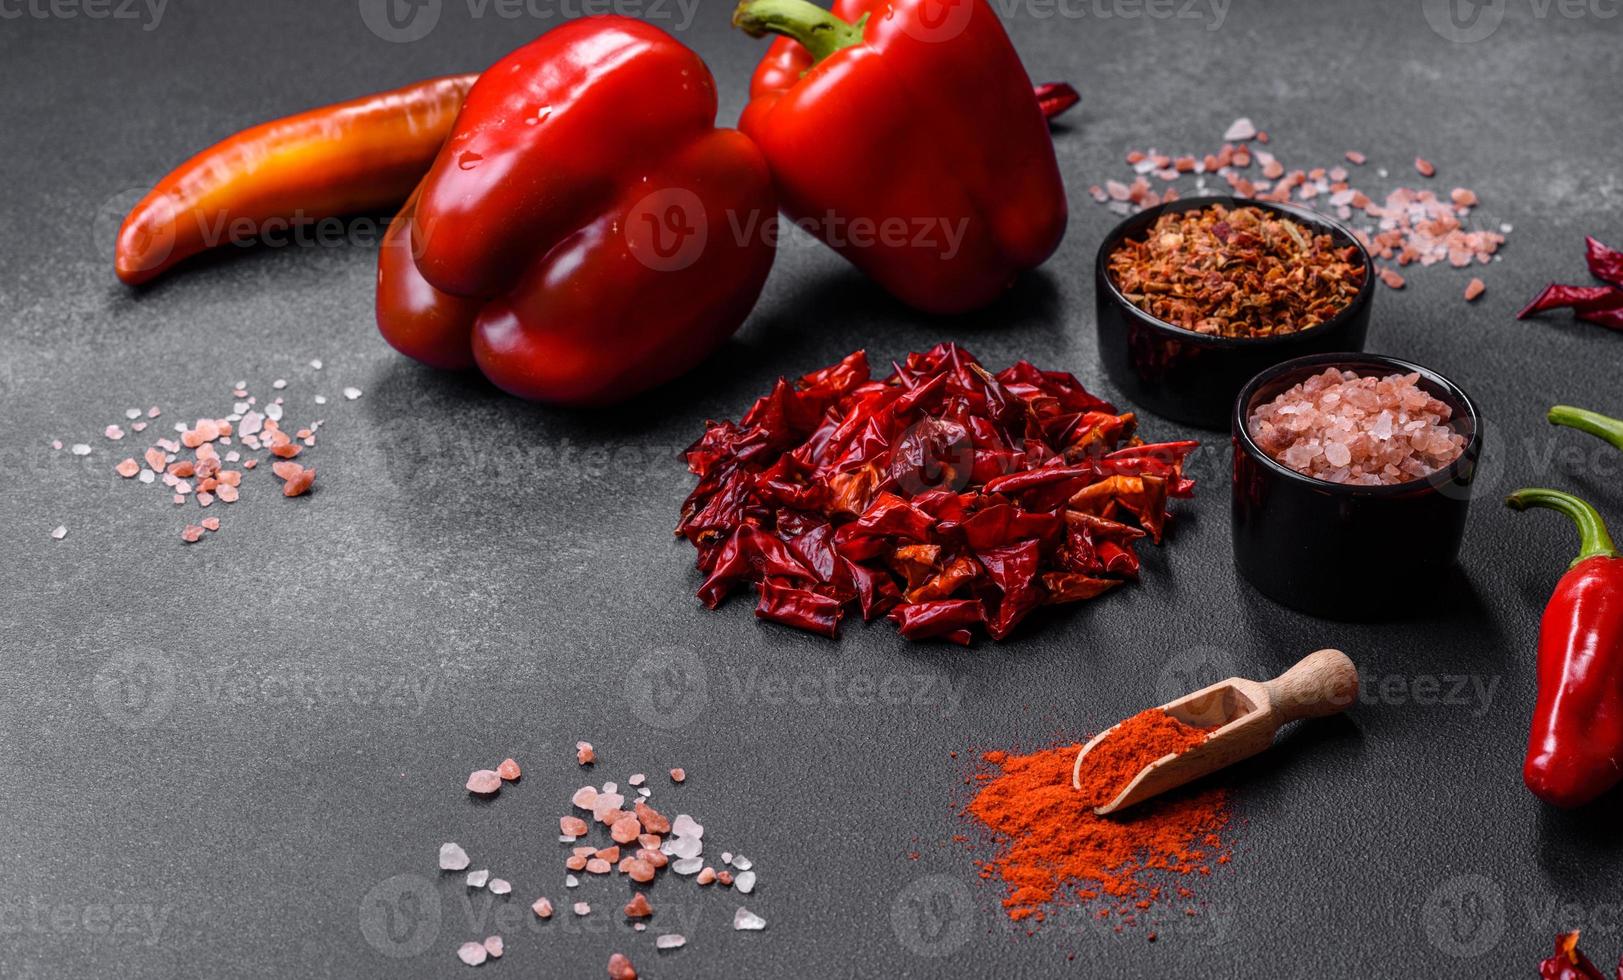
1322	683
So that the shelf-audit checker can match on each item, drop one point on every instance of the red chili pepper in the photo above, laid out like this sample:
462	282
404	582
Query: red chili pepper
1569	962
1600	305
1056	97
578	237
909	141
357	156
1604	263
1575	752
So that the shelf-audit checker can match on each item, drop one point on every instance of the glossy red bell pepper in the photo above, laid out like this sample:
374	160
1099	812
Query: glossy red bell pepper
1575	752
578	237
905	134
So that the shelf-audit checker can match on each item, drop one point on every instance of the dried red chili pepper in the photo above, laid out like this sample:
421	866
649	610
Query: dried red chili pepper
1569	962
1600	305
942	495
1056	97
1604	263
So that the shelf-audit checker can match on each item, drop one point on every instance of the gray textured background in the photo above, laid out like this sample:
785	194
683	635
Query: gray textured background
208	769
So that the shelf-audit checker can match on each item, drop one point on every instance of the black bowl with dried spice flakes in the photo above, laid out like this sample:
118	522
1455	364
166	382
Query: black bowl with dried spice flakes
1348	551
1239	286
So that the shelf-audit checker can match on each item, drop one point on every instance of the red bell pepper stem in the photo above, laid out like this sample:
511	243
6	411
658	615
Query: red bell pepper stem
818	30
822	33
1594	541
1593	423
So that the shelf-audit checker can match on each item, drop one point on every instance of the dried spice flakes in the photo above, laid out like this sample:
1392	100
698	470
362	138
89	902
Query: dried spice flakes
1237	272
942	496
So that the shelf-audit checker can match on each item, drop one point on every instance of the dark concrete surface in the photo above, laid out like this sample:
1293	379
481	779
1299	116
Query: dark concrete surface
216	761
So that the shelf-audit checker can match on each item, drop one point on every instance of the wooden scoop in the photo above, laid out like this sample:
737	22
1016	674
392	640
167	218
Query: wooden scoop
1245	715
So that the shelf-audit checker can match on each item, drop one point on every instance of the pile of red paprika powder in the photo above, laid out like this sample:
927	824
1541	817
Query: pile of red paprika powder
1051	849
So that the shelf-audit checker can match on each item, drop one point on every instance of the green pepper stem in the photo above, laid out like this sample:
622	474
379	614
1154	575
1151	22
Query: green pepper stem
1593	423
1593	540
818	31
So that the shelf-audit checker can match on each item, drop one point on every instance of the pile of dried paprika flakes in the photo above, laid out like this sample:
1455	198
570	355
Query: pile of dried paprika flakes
942	496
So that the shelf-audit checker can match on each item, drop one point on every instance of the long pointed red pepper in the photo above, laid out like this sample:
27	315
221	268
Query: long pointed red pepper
1575	751
357	156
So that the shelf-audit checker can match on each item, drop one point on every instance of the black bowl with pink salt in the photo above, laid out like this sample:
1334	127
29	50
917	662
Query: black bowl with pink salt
1352	483
1197	296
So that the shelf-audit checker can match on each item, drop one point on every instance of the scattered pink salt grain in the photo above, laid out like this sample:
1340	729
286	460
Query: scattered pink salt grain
472	954
127	468
1341	427
678	775
584	754
640	870
484	781
212	523
620	968
508	770
192	534
1424	167
1354	157
452	857
113	432
598	866
573	826
59	532
299	482
626	830
1392	279
707	876
583	908
584	797
1240	129
542	908
1473	289
493	946
638	907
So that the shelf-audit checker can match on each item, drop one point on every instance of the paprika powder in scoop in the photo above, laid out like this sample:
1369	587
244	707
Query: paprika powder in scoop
576	237
905	134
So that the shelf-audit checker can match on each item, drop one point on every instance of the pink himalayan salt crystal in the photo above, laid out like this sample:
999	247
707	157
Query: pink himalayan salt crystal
494	946
484	781
542	908
472	954
1344	428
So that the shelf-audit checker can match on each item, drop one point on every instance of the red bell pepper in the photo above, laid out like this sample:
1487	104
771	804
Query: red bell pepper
576	238
905	134
1575	752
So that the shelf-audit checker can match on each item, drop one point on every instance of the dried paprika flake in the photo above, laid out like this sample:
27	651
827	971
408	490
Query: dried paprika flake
1241	272
943	496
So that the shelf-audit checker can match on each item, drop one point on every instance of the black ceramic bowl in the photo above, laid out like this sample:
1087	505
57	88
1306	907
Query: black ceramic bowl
1193	378
1342	551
